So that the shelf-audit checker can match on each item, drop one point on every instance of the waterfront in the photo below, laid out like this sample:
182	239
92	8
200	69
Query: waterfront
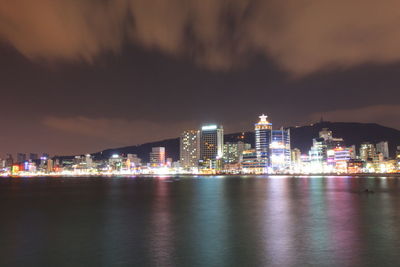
200	221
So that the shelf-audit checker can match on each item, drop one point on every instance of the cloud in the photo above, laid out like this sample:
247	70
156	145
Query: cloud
386	115
117	132
303	36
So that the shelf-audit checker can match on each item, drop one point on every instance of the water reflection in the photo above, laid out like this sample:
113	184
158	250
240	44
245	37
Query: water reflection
224	221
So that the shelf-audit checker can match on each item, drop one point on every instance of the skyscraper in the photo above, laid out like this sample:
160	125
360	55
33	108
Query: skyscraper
280	157
263	131
211	145
190	149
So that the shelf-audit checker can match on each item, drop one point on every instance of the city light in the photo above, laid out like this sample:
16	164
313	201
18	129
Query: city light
204	152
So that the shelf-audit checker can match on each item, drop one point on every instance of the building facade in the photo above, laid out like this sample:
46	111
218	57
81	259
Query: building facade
190	149
263	131
211	146
157	157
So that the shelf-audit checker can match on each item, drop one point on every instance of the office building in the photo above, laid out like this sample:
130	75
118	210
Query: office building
233	151
190	149
263	131
280	158
211	146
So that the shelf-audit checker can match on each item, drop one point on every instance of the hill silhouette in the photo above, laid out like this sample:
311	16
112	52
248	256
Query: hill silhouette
301	137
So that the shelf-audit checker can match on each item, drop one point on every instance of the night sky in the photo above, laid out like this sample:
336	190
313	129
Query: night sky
80	76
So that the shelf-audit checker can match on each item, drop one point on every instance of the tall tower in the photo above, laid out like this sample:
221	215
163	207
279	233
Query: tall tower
263	131
190	149
211	145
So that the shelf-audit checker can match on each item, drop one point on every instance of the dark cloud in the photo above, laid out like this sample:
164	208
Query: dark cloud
303	36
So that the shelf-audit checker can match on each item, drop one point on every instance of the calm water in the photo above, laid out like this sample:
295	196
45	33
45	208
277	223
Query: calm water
209	221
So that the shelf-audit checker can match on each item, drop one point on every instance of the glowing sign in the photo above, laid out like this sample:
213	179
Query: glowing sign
209	127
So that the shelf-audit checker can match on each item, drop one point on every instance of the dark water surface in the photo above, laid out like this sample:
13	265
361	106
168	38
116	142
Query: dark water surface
208	221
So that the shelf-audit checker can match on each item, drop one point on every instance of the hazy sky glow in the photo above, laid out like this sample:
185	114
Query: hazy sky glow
82	75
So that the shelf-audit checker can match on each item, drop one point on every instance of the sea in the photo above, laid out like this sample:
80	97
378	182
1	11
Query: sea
200	221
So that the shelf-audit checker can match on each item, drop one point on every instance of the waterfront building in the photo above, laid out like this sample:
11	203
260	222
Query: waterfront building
263	130
88	161
157	157
383	147
367	152
134	160
190	149
250	162
49	166
211	146
115	162
280	157
233	151
296	159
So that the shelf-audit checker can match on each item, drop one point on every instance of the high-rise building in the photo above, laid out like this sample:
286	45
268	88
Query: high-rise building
280	158
233	151
157	156
367	152
383	147
190	149
211	145
263	130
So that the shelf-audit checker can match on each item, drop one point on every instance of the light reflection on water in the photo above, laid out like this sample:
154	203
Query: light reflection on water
201	221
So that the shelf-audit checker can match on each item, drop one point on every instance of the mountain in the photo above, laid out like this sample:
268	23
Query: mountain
301	137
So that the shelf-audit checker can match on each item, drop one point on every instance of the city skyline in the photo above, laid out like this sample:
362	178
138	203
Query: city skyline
204	151
131	73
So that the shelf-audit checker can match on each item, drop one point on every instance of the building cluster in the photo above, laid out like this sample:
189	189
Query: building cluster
203	151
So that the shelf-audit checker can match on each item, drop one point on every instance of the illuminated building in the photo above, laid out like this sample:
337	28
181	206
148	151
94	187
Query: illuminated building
88	161
250	162
318	151
190	149
233	151
355	166
383	147
115	162
280	158
134	160
263	131
49	166
367	152
211	146
296	158
157	156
